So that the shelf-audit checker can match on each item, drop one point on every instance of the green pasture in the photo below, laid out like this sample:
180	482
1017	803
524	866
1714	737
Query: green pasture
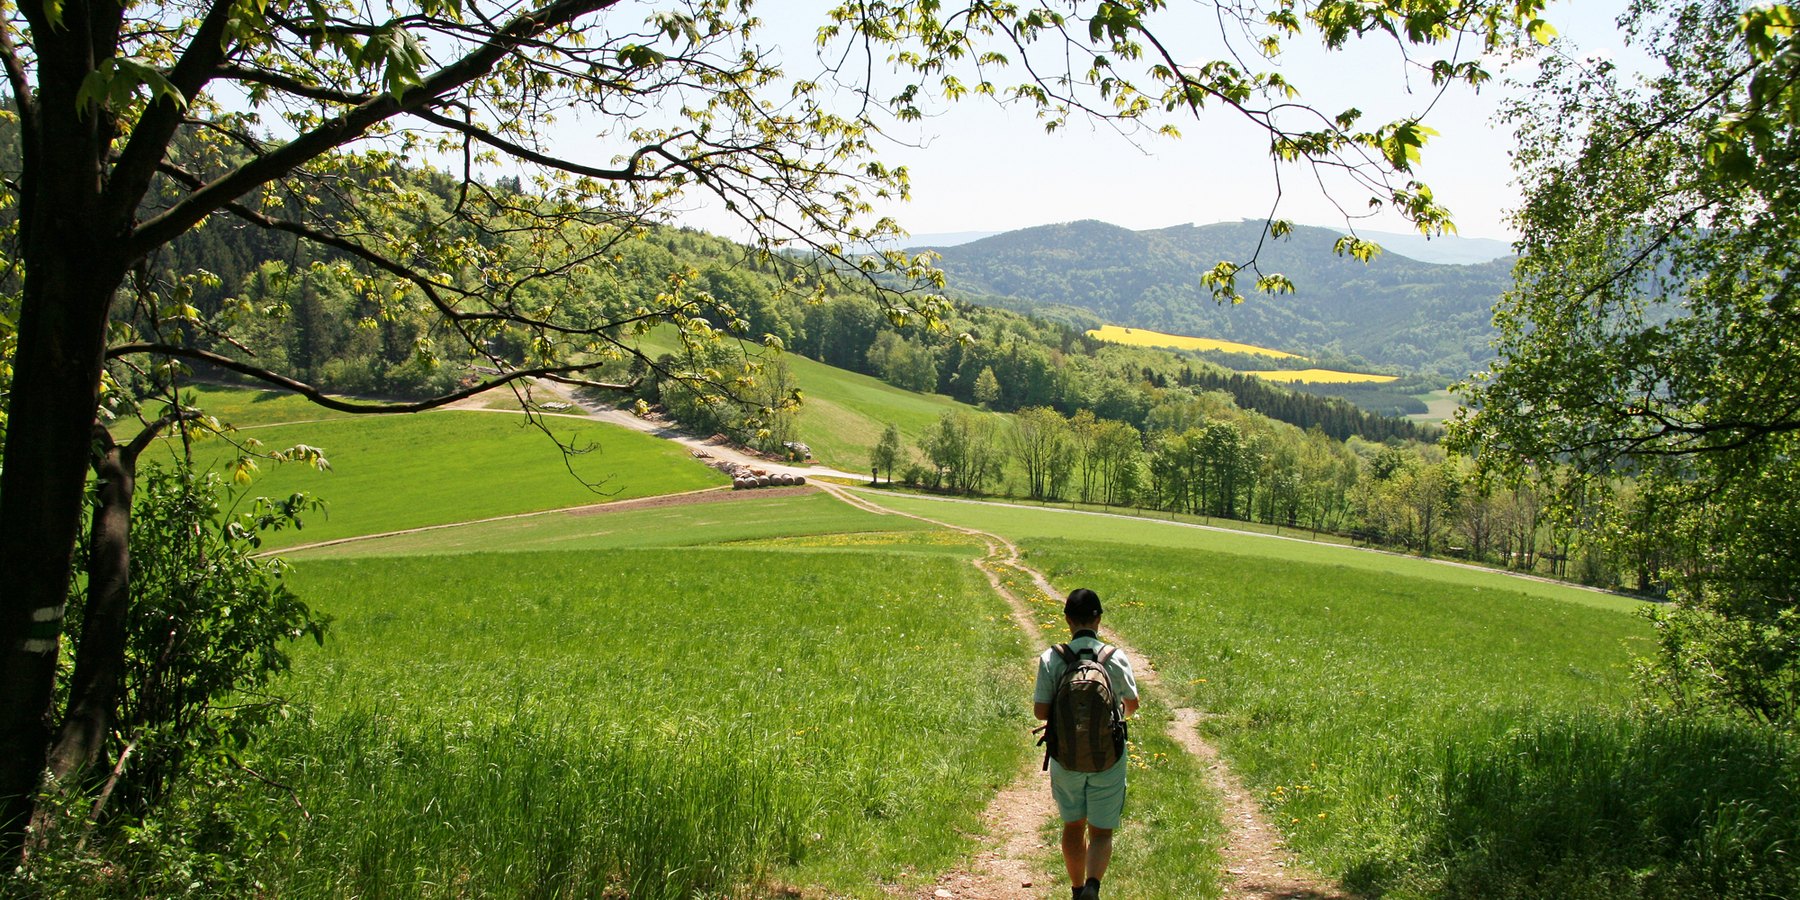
397	472
664	722
1029	523
1422	730
843	414
722	517
242	407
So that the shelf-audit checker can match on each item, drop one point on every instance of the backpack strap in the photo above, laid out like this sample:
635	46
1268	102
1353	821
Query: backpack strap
1068	656
1106	653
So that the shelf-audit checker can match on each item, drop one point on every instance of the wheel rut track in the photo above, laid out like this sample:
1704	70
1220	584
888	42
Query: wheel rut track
1257	865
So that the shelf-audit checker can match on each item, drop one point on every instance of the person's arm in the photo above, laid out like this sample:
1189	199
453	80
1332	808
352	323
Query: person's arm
1131	706
1042	711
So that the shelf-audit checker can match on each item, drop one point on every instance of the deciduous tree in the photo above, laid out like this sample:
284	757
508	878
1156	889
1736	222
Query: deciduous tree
1654	330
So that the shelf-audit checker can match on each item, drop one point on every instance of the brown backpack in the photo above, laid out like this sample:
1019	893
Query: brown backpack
1085	732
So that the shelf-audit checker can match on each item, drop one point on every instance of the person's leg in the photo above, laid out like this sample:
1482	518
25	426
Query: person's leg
1075	851
1099	851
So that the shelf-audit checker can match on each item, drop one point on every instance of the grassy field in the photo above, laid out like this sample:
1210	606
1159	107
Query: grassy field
1439	407
1143	337
675	723
1321	376
397	472
682	699
844	413
1422	730
717	550
1028	524
729	518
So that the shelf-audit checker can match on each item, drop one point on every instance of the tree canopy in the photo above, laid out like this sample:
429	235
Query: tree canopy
1653	332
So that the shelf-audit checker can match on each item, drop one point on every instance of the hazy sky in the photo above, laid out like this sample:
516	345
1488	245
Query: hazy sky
981	167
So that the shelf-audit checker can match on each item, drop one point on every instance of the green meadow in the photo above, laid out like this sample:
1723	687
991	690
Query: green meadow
670	723
1418	729
844	413
735	694
398	472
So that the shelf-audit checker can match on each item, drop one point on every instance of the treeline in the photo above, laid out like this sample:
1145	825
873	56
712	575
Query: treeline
1203	456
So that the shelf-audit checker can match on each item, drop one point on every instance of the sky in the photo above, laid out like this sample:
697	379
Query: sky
983	167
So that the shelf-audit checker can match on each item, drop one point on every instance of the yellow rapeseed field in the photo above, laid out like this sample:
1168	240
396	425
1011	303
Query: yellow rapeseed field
1322	376
1142	337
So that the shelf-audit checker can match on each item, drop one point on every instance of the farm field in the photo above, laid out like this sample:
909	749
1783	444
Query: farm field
823	553
1439	407
1028	523
844	412
1143	337
394	472
651	720
727	518
1321	376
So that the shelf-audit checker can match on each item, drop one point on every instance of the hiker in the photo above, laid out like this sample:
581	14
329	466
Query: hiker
1086	758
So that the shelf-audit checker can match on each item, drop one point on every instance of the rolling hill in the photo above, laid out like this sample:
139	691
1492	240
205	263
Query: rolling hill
1392	311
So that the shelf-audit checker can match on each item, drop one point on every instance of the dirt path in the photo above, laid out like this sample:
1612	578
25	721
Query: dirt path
1257	863
701	447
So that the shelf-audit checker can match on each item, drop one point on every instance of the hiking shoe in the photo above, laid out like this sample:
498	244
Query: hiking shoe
1091	890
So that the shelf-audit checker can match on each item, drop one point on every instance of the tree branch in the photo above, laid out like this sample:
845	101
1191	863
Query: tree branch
352	124
627	173
329	402
290	85
131	451
18	80
149	142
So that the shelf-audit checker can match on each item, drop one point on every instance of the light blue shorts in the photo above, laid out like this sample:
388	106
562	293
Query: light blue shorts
1098	797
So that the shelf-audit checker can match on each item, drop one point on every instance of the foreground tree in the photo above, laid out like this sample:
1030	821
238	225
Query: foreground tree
140	122
1654	328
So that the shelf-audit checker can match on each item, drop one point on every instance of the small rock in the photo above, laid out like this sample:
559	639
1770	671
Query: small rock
943	893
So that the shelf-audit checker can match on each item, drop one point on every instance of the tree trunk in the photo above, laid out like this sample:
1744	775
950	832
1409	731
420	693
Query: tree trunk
56	377
72	246
100	657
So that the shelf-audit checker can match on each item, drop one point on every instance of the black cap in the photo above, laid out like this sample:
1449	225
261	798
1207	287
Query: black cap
1083	605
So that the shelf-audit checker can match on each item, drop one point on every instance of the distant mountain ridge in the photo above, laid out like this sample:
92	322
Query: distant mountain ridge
1392	311
1450	250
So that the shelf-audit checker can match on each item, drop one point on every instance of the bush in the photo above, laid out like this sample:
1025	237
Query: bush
208	627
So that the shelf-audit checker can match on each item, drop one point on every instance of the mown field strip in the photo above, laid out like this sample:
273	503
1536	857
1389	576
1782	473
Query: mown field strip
1255	860
611	505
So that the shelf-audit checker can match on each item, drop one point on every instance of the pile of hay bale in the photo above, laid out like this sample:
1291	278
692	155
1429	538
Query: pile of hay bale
744	478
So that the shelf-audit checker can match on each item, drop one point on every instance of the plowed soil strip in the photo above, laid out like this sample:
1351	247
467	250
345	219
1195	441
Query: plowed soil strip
1257	864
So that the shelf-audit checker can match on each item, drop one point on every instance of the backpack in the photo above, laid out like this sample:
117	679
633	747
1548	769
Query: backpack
1085	732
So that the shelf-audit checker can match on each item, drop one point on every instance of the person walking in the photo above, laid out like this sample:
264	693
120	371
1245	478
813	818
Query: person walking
1085	740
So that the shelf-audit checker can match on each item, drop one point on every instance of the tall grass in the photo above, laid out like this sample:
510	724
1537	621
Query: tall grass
1418	739
667	723
1618	806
